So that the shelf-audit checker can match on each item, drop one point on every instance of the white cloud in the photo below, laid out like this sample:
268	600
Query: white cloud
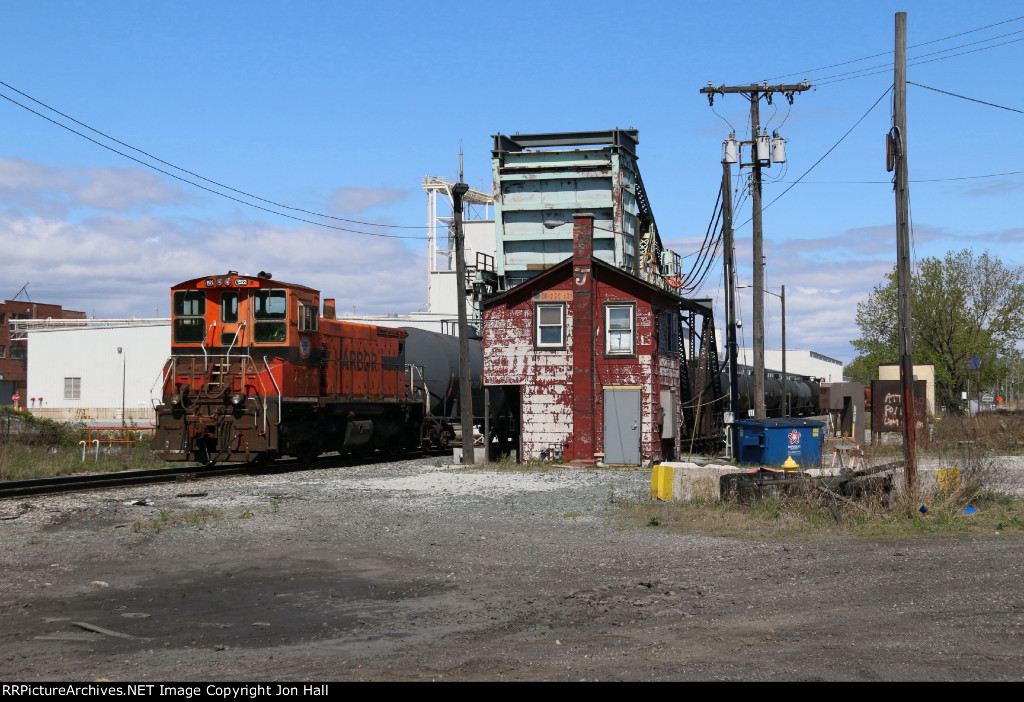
352	200
121	266
53	191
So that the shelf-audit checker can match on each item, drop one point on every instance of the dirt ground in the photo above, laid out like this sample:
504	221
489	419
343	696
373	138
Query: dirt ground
408	571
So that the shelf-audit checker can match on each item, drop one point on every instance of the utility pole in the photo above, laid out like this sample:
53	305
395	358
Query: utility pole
729	264
465	390
898	146
760	156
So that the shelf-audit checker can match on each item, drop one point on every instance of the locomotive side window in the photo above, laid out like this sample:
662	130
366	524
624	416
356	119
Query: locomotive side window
308	319
269	306
189	306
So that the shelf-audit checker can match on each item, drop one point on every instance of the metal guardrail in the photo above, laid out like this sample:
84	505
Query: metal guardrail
122	436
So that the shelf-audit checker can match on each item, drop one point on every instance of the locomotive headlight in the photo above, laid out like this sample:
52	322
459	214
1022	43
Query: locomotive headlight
237	399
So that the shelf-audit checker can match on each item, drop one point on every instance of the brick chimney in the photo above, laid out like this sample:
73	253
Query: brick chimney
582	236
584	414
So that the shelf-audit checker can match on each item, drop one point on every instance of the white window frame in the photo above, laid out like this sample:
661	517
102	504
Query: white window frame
537	343
608	331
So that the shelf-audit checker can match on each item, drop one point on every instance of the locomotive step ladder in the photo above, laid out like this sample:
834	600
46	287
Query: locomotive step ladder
216	377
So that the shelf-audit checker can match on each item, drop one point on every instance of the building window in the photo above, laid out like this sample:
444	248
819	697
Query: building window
3	352
3	318
19	353
619	334
72	388
550	326
668	333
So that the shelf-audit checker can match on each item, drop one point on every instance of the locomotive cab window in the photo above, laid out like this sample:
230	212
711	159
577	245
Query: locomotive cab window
189	308
229	307
308	319
269	309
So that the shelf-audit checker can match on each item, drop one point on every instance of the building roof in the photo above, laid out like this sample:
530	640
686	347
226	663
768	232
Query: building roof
546	279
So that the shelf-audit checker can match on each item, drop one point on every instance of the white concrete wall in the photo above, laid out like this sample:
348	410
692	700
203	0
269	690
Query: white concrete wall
798	362
90	353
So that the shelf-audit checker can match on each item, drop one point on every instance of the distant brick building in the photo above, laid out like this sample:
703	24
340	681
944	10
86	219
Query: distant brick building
590	354
14	353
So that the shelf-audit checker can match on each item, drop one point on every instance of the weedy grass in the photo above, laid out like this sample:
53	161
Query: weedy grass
808	517
20	462
1001	432
981	503
195	519
31	447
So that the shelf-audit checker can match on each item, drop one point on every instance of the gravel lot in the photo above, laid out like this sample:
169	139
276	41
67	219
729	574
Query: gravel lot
407	571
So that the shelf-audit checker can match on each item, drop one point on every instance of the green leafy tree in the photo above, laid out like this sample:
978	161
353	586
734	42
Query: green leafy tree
860	370
963	306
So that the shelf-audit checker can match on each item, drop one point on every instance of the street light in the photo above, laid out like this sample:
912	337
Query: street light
785	394
124	368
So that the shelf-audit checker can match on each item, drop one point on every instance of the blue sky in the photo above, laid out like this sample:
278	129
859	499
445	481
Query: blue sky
342	107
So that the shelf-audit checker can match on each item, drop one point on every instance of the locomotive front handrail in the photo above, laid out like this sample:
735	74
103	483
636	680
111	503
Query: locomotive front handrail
202	345
238	331
276	387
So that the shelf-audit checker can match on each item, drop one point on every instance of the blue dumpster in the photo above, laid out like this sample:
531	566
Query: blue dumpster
772	441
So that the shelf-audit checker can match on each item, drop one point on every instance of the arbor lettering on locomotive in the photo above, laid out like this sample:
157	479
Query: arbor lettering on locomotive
255	372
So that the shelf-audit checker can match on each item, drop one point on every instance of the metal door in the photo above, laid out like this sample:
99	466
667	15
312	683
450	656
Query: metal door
622	426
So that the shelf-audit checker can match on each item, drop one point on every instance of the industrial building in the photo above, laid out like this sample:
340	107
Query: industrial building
802	362
592	354
102	370
14	347
585	327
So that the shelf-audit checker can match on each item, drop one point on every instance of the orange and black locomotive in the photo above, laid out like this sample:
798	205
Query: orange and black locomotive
257	372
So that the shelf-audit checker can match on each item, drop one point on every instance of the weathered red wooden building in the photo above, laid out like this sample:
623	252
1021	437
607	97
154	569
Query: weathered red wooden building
591	354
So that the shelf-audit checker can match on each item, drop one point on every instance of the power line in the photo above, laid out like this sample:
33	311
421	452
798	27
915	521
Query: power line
825	80
964	97
830	150
203	187
184	170
886	53
889	182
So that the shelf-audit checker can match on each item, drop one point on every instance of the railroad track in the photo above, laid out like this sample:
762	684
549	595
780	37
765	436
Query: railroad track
129	478
96	481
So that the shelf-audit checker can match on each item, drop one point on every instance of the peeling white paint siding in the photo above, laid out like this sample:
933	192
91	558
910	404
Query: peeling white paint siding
544	375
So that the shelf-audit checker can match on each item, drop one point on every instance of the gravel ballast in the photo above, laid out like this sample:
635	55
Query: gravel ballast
411	571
